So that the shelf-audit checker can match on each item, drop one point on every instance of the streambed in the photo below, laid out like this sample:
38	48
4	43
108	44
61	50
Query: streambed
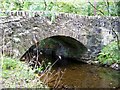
80	75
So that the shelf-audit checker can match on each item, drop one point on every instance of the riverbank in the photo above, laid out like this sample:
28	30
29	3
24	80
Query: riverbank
16	74
115	66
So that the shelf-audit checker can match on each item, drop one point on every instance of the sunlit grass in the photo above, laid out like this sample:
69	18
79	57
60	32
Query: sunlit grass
16	74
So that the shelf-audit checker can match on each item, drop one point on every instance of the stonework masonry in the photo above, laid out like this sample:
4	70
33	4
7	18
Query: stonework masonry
94	32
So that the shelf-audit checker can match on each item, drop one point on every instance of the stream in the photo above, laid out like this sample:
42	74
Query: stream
75	74
80	75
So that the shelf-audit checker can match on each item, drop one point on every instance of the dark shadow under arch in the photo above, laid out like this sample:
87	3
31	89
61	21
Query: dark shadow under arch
61	48
74	46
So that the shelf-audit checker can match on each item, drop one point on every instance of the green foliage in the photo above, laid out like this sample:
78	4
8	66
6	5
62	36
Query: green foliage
82	8
10	5
9	64
47	65
110	54
18	74
118	8
67	7
107	10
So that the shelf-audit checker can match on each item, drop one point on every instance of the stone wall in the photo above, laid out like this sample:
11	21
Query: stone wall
93	31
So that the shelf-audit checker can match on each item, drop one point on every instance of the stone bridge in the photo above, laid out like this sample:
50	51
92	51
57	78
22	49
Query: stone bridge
92	31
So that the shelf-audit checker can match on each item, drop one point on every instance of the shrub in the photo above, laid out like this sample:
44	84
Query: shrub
109	54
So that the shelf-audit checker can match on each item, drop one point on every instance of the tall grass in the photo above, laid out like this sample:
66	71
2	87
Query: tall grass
16	74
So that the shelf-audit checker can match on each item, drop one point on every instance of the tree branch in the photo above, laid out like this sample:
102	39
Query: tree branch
107	6
45	4
95	8
118	42
107	2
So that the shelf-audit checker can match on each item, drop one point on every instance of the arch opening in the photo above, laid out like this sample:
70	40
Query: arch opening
60	48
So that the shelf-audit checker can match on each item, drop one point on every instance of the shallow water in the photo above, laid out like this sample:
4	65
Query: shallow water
79	75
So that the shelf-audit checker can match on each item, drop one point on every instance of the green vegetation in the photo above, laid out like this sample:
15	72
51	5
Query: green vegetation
18	74
118	8
110	54
104	7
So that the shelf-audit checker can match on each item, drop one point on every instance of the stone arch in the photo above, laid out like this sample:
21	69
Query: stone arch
79	36
93	32
64	46
64	36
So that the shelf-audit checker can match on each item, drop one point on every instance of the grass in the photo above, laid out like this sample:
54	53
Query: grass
16	74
